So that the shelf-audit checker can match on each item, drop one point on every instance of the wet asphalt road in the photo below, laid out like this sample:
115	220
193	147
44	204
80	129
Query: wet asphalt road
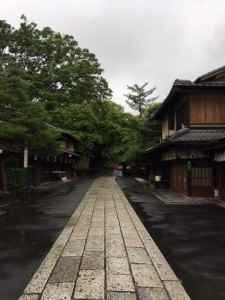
192	238
28	231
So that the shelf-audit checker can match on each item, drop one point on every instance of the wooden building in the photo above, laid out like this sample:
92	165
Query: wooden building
193	121
17	170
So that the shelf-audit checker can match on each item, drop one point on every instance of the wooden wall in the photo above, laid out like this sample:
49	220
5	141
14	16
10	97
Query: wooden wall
207	109
182	114
177	181
164	128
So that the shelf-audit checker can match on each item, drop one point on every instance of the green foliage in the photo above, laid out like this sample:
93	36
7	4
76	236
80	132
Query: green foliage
42	71
139	98
51	67
107	130
45	77
38	138
140	134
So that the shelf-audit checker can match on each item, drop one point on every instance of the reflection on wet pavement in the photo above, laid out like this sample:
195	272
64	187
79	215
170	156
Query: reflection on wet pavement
192	238
28	230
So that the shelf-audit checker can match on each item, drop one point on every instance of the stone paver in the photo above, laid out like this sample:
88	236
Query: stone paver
66	270
121	296
74	248
120	283
93	260
138	256
176	291
90	285
114	245
145	276
104	252
117	265
95	243
58	291
29	297
152	294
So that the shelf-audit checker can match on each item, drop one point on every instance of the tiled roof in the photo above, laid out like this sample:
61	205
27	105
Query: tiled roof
210	74
188	83
186	136
179	82
197	135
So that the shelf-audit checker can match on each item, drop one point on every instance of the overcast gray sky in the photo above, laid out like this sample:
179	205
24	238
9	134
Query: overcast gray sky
137	40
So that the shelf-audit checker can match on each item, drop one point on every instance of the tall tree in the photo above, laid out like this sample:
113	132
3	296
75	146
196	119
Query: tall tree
139	98
52	67
40	72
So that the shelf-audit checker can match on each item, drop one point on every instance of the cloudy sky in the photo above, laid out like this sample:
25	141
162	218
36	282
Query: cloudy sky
137	40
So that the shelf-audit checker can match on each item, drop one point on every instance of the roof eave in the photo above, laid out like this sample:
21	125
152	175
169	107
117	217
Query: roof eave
209	75
157	115
182	89
167	144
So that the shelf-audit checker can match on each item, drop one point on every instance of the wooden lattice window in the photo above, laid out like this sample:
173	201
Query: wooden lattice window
201	176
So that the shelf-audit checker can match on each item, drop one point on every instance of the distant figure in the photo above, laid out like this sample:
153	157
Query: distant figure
117	171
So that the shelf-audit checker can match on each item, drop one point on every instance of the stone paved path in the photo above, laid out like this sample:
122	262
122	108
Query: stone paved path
104	252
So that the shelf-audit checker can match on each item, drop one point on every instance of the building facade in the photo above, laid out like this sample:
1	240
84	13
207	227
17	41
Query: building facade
193	125
21	167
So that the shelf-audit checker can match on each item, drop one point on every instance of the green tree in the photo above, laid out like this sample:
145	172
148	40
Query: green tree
139	98
42	71
23	120
54	69
45	77
111	134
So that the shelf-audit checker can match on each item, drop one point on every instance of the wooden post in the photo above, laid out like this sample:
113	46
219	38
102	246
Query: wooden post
25	158
189	171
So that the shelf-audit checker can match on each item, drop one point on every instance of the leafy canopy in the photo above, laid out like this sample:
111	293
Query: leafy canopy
109	132
51	67
45	77
40	72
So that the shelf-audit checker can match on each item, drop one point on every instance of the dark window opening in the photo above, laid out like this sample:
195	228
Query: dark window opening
182	117
171	121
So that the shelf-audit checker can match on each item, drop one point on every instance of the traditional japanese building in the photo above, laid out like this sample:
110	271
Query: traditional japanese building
192	119
22	167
